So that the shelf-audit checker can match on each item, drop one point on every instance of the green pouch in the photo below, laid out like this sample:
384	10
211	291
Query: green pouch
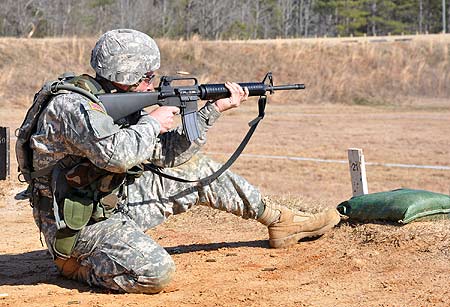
65	242
402	205
77	211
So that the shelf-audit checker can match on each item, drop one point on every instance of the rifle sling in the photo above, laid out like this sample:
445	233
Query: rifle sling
207	180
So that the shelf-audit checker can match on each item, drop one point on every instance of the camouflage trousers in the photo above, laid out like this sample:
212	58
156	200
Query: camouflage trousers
117	254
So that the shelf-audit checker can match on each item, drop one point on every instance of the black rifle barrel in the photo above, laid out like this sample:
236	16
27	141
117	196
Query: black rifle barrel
286	87
218	91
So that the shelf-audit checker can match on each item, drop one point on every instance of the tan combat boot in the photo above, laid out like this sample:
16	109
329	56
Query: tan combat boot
287	227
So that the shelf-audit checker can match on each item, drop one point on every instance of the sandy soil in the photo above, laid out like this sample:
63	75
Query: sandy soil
223	260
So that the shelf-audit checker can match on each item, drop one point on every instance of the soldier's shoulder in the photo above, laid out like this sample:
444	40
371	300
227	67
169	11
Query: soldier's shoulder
69	102
67	99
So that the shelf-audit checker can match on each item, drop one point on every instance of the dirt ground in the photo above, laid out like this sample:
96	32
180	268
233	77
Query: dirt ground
223	260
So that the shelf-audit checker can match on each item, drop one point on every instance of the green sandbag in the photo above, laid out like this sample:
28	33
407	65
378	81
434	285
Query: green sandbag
402	205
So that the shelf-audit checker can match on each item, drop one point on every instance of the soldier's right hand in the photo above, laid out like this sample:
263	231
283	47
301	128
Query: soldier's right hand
164	115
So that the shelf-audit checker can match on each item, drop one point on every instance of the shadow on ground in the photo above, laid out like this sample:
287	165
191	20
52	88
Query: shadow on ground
184	249
33	268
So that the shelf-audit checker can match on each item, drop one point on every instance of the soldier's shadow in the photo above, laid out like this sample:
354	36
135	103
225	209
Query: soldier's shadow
32	268
36	267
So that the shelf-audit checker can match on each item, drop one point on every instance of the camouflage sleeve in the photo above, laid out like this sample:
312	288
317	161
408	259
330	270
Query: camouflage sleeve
86	130
175	148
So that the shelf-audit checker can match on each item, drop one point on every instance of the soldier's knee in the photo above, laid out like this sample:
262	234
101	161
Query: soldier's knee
164	279
149	279
157	279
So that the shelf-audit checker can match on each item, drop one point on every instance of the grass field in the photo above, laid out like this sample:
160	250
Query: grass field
363	71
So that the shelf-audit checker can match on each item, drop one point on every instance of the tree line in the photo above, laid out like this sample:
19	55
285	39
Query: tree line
223	19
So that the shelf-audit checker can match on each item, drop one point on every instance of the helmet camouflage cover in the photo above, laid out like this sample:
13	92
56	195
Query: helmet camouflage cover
124	56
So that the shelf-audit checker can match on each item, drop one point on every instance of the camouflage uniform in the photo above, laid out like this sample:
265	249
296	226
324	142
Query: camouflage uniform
112	250
116	253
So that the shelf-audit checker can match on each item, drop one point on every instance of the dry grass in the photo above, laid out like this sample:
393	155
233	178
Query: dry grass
334	70
364	73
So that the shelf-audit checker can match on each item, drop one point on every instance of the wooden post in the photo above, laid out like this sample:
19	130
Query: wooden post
357	171
4	153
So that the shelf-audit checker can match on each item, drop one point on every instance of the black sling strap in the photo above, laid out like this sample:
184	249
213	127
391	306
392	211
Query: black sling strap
207	180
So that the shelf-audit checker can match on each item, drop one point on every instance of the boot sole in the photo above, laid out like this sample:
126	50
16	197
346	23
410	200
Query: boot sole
293	239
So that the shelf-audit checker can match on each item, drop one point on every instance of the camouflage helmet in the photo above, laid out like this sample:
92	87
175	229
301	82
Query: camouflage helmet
124	56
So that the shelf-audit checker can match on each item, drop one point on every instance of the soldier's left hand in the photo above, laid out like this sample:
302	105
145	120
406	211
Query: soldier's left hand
238	95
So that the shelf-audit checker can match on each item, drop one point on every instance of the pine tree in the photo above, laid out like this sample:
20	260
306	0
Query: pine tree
352	16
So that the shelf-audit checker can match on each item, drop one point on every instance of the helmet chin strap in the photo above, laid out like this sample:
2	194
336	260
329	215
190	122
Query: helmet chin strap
108	86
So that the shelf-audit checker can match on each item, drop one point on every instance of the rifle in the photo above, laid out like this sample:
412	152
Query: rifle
120	105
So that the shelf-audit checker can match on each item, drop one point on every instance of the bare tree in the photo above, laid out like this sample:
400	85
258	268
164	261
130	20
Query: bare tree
211	19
